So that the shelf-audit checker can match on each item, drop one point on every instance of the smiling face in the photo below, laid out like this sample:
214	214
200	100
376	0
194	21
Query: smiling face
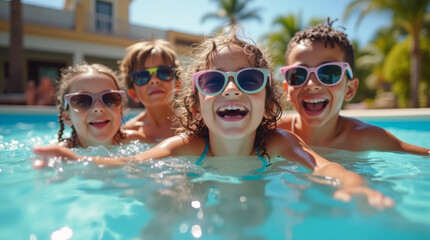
317	104
232	114
99	124
156	92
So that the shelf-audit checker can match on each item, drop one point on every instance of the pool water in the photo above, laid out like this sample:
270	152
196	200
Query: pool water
222	199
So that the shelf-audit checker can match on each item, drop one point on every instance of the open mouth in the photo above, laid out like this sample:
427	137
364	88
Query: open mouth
314	105
232	111
99	123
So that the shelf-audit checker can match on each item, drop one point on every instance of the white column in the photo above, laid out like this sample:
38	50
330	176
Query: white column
78	57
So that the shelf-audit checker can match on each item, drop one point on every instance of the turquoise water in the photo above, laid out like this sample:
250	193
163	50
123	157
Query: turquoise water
221	199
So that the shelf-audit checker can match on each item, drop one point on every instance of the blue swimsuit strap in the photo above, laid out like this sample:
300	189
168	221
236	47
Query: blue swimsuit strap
205	152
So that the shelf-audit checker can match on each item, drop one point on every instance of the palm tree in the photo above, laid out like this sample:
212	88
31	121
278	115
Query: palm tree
15	81
407	14
289	25
233	12
278	41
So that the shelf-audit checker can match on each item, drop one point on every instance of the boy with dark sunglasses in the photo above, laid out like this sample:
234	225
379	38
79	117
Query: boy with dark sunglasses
317	79
149	72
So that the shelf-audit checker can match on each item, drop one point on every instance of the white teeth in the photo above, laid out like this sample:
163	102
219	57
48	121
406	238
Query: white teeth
98	121
229	107
317	100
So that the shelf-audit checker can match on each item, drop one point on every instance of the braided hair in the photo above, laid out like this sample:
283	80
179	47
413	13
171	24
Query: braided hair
68	75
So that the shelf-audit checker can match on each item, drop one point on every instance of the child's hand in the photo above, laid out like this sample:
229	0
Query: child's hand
374	198
51	151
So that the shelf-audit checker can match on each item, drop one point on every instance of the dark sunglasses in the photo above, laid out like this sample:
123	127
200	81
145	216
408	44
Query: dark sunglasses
142	76
248	80
83	101
328	74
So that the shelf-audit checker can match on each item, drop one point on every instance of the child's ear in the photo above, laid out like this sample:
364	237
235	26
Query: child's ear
66	118
196	113
177	86
133	95
286	91
351	89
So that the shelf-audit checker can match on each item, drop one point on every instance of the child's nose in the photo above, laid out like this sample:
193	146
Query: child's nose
231	89
154	79
312	83
98	106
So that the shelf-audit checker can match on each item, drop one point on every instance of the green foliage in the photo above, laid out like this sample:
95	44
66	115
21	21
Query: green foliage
396	70
232	12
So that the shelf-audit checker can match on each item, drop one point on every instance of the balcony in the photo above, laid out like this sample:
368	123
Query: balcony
93	23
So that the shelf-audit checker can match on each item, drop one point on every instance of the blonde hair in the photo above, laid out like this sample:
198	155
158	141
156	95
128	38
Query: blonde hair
68	75
202	55
138	53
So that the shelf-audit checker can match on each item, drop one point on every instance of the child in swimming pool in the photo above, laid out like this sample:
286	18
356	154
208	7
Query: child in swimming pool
318	78
149	72
90	102
230	108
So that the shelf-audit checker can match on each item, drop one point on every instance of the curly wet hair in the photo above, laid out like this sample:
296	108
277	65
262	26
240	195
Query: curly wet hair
138	53
202	58
68	75
328	35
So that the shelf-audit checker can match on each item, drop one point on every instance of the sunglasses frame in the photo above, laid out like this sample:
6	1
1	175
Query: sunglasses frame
151	71
343	65
94	97
265	71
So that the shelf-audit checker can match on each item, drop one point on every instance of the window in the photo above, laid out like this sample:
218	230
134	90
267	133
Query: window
103	16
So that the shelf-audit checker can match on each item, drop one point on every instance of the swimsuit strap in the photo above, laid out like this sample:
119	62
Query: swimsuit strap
263	160
205	152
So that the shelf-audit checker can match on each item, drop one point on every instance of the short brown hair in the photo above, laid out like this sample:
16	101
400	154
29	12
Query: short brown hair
138	53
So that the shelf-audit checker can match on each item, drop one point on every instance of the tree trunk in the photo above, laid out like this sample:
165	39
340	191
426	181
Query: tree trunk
15	81
415	69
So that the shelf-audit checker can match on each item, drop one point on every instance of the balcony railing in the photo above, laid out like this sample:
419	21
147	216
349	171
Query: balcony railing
41	16
96	24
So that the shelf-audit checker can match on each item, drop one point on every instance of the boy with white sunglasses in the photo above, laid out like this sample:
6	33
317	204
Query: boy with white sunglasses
317	79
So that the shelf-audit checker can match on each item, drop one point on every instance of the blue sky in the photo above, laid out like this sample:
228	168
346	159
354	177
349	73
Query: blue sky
185	15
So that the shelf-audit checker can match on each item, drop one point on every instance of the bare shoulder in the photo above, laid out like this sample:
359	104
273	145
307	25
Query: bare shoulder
358	129
183	145
362	136
133	135
283	139
285	121
136	122
288	145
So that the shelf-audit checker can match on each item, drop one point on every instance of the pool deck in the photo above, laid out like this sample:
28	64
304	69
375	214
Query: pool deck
367	113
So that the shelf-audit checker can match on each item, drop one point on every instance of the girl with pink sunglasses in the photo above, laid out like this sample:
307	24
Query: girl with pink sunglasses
229	108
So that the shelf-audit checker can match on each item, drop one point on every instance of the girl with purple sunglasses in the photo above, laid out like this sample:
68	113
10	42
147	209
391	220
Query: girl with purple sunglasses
229	107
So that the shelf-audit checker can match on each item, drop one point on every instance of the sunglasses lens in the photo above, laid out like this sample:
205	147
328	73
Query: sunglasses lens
211	82
250	80
330	74
165	73
81	102
112	99
296	76
141	77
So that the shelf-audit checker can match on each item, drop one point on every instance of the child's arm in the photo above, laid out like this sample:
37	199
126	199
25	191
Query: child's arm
369	137
381	139
173	146
350	182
